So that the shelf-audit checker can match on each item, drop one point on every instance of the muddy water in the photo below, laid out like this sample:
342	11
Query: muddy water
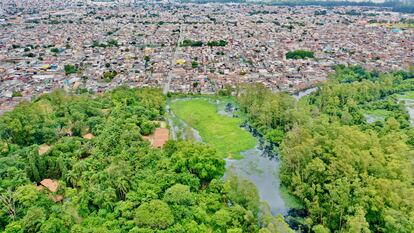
372	118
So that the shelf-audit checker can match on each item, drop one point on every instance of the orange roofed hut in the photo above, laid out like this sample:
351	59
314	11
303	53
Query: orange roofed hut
52	185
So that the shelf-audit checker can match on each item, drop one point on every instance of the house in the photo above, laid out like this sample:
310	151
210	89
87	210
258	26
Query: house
51	185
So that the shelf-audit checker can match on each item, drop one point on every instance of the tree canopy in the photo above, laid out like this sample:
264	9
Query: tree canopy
113	181
352	175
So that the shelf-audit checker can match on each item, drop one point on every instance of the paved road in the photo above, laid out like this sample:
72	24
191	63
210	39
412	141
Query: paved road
173	63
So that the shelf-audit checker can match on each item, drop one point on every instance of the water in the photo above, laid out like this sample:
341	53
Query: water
264	173
411	113
372	118
255	166
304	93
409	106
180	129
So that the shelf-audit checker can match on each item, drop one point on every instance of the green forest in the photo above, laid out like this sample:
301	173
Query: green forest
349	174
114	181
352	176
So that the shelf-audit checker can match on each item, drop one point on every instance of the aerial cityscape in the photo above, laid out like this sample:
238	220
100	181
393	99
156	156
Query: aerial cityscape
191	47
202	116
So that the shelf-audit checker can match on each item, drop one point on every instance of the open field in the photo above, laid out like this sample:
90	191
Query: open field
221	132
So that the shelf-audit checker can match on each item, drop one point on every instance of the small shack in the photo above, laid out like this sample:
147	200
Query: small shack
52	186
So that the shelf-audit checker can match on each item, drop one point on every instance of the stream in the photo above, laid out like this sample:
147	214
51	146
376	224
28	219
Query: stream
409	106
262	171
304	93
179	128
257	166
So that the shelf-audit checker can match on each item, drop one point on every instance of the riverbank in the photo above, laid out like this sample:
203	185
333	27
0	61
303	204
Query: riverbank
255	160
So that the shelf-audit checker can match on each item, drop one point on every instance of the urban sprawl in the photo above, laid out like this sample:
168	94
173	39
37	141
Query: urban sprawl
190	48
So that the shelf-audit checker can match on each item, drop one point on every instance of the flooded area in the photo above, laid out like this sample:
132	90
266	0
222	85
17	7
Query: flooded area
180	129
255	165
409	106
304	93
373	118
264	173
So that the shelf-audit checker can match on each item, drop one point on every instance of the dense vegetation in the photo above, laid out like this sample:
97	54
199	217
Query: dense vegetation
299	54
109	75
352	176
108	44
70	69
114	181
191	43
197	43
219	43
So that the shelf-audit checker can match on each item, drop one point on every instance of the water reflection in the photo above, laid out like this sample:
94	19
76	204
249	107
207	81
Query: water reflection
264	173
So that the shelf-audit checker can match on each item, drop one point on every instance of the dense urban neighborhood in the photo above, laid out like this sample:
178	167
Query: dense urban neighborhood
197	48
206	116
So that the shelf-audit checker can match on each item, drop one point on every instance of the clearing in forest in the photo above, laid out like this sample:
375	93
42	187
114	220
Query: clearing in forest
221	132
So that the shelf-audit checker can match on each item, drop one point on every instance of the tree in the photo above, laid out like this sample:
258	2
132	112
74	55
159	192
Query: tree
179	194
17	94
358	223
155	214
220	43
113	42
34	219
8	205
242	192
194	64
70	69
199	160
147	128
109	75
299	54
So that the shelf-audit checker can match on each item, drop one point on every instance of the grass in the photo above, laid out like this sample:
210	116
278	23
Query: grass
221	132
